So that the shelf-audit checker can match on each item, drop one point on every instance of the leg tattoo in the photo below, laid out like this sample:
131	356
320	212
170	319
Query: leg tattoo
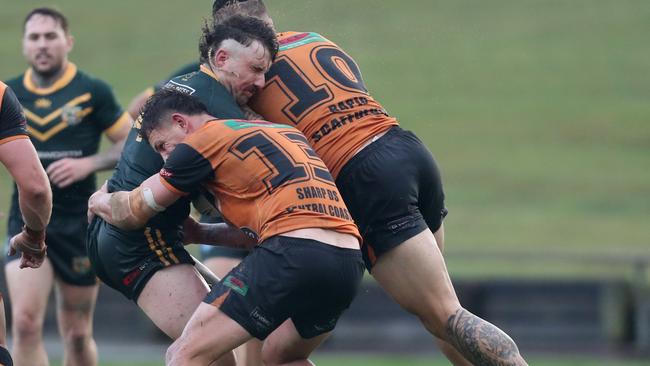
481	342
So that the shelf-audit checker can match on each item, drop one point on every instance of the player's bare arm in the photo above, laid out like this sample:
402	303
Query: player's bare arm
129	210
66	171
220	234
34	198
138	102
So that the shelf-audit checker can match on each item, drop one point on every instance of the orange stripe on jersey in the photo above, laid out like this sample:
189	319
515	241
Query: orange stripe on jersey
267	178
3	87
219	300
171	187
316	87
12	138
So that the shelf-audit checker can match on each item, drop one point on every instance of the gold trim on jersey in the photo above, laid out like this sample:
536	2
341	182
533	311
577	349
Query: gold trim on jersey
65	79
44	136
42	121
206	70
124	118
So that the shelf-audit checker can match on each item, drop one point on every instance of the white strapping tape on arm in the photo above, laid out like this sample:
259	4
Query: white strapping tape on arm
151	201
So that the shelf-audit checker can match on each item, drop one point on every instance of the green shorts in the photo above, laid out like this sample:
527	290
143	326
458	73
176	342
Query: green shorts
66	246
126	260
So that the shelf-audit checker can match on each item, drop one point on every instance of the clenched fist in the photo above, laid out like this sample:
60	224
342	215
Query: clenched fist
31	244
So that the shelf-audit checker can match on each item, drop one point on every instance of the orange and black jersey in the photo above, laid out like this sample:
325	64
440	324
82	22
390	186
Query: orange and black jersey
12	120
66	120
265	177
316	87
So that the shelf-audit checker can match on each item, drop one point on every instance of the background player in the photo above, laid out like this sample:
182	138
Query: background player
67	111
317	87
18	155
269	182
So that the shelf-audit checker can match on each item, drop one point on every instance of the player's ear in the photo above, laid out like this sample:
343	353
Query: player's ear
220	57
70	41
179	120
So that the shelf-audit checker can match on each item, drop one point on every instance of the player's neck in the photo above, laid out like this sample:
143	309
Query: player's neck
44	80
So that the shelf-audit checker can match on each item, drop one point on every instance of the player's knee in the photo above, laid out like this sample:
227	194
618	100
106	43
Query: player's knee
27	327
273	356
436	319
77	341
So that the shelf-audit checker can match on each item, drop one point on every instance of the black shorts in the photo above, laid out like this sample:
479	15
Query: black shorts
126	260
66	246
393	190
212	251
305	280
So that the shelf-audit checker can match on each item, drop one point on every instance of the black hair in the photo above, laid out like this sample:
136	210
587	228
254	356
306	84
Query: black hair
243	29
223	9
48	12
167	101
219	4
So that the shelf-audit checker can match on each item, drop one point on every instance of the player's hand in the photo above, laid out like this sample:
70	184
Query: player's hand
96	200
191	231
31	244
64	172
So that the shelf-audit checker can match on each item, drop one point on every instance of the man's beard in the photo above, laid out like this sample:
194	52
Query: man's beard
48	73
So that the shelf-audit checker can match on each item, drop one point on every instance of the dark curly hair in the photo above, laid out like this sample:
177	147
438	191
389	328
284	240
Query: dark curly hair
243	29
167	101
223	9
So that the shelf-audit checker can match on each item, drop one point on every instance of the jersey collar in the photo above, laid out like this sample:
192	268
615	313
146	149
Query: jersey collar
206	70
62	82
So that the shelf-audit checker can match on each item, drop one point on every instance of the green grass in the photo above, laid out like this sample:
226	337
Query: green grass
536	110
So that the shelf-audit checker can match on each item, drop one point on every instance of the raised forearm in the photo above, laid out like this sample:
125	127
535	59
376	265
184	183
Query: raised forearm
108	159
36	204
117	209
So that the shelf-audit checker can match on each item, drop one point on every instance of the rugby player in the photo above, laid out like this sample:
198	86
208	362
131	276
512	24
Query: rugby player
18	155
148	264
388	178
307	265
67	112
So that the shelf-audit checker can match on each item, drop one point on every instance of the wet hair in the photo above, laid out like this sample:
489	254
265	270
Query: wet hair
243	29
164	102
223	9
48	12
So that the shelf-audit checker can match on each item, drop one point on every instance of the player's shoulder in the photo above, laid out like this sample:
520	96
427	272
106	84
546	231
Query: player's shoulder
187	83
91	81
291	39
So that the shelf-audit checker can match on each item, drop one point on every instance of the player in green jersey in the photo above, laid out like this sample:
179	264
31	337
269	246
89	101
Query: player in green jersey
67	113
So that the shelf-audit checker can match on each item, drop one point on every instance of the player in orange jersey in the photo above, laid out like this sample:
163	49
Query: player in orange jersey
18	155
266	180
387	177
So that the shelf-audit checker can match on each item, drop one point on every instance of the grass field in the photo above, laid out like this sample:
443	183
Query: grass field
536	110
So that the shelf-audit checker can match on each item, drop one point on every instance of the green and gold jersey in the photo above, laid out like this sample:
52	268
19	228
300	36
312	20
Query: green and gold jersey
139	161
204	85
66	120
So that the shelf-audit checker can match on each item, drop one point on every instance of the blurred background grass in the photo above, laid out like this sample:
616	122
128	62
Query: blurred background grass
536	110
